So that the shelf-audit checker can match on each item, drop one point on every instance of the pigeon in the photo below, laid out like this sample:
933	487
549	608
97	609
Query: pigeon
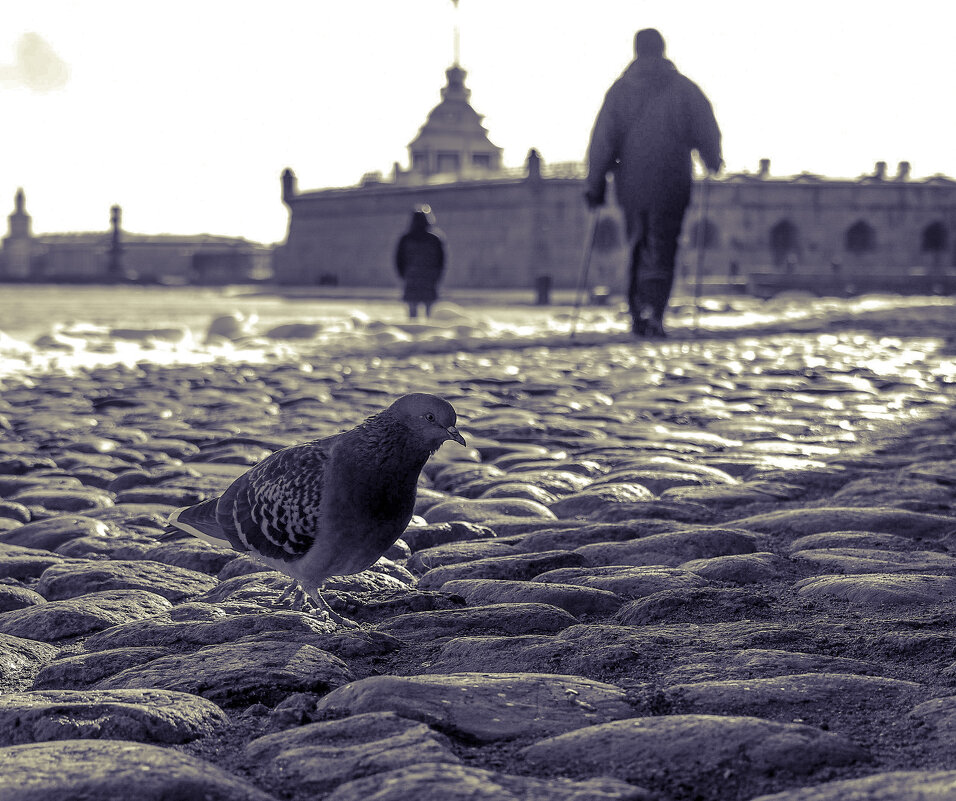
332	506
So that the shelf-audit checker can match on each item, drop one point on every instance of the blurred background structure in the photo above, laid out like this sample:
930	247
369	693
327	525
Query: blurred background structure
514	228
115	255
517	227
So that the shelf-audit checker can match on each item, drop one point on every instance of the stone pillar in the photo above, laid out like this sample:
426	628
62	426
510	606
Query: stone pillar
114	263
534	165
290	186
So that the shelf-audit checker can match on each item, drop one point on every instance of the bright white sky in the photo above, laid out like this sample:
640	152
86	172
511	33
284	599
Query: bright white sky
186	111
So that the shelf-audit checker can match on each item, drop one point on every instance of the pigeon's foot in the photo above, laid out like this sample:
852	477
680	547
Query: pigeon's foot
339	620
298	599
295	595
321	606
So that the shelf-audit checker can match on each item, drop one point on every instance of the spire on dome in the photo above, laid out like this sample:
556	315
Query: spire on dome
453	140
457	51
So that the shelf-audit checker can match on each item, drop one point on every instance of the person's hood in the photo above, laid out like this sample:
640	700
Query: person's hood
649	70
419	223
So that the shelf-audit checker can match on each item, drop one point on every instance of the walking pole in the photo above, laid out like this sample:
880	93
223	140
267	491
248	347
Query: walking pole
585	267
701	239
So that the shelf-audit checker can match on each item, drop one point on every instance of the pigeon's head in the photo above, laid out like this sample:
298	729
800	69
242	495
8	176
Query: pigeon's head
431	419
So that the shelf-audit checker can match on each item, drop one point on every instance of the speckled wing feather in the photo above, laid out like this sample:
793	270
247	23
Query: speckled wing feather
274	508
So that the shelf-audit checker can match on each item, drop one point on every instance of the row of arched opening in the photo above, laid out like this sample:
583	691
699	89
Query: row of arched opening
858	239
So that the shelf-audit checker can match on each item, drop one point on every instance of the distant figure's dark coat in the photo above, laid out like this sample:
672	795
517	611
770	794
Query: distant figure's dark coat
651	120
420	260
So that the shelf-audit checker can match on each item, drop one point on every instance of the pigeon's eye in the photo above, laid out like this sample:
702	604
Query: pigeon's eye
430	417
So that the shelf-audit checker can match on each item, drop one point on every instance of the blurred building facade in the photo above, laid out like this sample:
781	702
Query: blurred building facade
511	227
117	255
516	227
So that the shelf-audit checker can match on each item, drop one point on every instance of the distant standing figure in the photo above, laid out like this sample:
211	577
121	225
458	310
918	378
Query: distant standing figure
420	261
652	119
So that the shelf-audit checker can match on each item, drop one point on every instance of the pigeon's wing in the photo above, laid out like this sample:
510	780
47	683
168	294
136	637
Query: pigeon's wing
274	508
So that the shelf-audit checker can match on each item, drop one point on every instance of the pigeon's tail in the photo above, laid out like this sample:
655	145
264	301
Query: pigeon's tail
200	521
173	534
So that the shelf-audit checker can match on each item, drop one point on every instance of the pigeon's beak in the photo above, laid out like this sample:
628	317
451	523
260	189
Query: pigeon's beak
453	434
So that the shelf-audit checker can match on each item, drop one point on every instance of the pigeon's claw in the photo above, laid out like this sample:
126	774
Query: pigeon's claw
298	600
322	606
339	620
291	591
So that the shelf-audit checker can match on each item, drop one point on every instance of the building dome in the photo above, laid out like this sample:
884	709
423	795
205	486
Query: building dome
453	140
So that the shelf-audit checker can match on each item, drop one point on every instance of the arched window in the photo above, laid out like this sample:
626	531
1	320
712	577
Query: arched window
705	235
935	238
860	238
784	241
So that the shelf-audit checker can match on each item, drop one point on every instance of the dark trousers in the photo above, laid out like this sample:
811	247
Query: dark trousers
652	268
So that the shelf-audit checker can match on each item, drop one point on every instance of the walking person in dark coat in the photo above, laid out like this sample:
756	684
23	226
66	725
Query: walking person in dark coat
651	120
420	261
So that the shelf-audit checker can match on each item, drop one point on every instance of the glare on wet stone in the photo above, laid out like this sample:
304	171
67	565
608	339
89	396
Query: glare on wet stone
663	527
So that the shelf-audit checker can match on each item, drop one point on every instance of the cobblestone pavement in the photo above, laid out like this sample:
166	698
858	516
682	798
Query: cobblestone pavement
713	569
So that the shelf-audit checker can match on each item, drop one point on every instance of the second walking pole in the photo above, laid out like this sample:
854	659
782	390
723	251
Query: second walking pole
585	267
701	248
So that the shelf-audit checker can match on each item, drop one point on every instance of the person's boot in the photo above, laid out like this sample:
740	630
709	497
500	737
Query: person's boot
656	290
654	328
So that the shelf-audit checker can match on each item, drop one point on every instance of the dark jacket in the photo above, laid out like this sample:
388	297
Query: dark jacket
420	261
651	120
